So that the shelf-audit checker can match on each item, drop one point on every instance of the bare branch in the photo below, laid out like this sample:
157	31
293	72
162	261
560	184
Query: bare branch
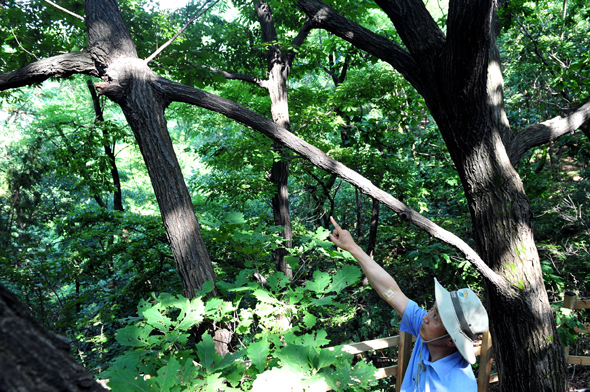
237	76
197	15
542	133
181	93
65	10
60	66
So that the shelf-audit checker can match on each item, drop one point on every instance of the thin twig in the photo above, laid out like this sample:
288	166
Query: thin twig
161	48
19	44
65	10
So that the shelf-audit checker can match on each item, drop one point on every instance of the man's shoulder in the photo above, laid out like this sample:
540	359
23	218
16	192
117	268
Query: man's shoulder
461	378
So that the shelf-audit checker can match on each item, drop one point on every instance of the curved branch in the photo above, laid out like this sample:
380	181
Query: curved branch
324	17
60	66
416	27
542	133
181	93
238	76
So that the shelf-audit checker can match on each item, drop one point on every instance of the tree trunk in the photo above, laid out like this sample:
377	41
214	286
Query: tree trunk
373	225
278	68
451	73
34	359
129	83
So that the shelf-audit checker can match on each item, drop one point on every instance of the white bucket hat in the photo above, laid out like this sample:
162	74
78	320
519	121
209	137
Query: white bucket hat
463	315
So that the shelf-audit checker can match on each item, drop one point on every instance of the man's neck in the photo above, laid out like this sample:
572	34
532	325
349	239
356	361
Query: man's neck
438	351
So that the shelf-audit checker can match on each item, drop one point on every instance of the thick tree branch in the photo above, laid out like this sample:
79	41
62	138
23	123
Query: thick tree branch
324	17
416	28
181	93
60	66
541	133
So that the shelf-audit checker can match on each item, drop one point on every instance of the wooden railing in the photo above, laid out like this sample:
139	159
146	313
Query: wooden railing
483	351
570	302
404	341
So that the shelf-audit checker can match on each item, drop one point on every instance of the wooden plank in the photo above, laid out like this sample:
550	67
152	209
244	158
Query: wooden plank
582	304
577	360
485	363
370	345
386	372
403	357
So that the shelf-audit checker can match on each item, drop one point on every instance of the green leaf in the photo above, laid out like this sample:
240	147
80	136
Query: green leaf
167	374
264	296
345	277
320	283
258	352
309	320
155	318
294	356
206	352
191	312
129	380
134	336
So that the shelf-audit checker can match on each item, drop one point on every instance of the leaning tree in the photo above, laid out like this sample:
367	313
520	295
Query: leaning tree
456	72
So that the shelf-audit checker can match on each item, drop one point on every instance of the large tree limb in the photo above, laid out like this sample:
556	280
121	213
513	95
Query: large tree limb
324	17
34	359
542	133
416	27
60	66
181	93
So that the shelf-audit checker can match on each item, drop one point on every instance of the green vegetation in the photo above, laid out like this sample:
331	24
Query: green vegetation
106	278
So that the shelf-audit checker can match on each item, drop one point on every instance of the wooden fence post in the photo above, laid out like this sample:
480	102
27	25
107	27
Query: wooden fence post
403	357
569	301
485	363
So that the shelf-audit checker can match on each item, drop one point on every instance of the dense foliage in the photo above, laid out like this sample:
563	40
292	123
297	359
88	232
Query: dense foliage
106	278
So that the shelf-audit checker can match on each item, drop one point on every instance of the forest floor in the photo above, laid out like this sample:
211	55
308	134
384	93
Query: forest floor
581	378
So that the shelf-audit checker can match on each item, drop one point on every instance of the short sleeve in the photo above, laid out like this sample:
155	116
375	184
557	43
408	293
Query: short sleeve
412	319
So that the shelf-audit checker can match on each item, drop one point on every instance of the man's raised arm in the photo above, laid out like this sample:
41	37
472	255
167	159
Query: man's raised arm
379	279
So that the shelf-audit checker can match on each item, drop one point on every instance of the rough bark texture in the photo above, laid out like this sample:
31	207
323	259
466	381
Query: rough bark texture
33	359
129	83
278	73
452	75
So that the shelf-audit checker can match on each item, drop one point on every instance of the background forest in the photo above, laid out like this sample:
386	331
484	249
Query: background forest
82	242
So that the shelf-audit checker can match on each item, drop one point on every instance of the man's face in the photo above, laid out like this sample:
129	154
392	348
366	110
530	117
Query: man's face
432	327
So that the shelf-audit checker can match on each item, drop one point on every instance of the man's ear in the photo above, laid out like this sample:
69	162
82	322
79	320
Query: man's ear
450	343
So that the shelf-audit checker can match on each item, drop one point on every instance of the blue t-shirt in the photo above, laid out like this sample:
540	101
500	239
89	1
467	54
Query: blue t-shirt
449	374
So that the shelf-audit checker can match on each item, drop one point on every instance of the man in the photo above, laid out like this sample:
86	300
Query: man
444	347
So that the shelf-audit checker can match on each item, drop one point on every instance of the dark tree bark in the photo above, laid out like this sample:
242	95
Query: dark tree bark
34	359
127	82
451	73
278	73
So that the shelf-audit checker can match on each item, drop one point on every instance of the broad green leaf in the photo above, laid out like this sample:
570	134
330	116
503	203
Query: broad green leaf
191	313
345	277
134	336
327	300
206	352
129	380
363	372
309	320
294	356
167	374
155	318
258	352
284	377
319	284
264	296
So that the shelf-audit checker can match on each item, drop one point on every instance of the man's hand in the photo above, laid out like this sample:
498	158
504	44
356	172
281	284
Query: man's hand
342	238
